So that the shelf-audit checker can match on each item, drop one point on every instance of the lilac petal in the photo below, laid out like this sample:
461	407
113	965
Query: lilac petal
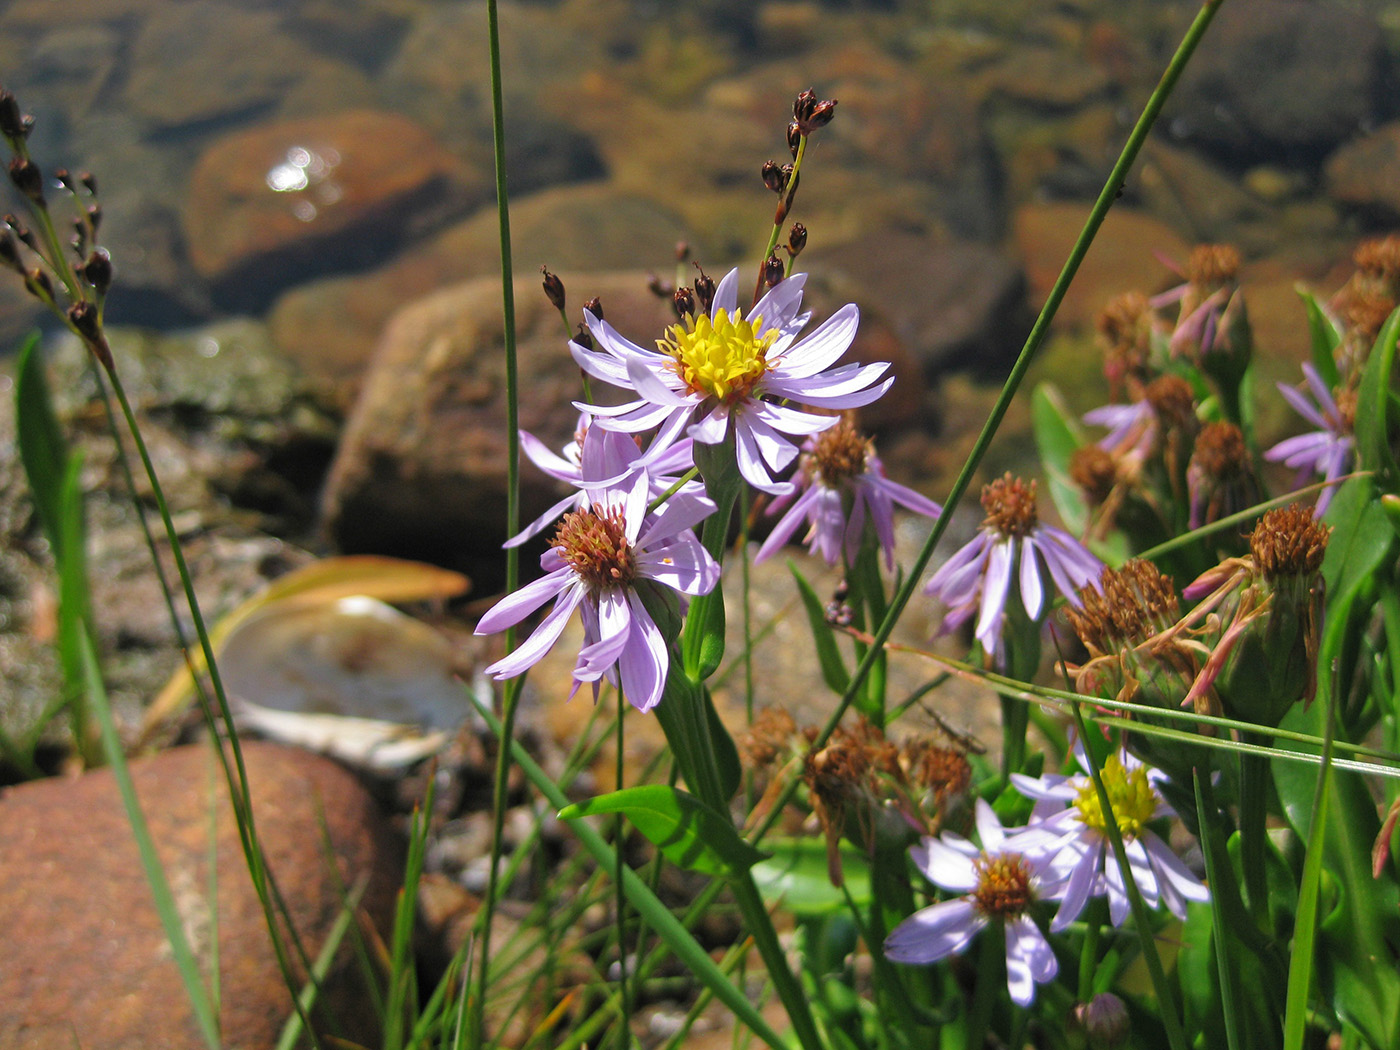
906	497
618	345
945	866
542	522
823	347
995	586
869	501
543	457
713	427
1304	407
1173	872
644	661
1303	450
844	387
777	451
614	628
542	640
608	368
683	566
652	384
514	607
791	420
787	525
934	933
989	828
751	464
1070	563
780	303
826	536
682	511
726	294
1323	393
1078	889
957	579
1029	960
1032	587
631	418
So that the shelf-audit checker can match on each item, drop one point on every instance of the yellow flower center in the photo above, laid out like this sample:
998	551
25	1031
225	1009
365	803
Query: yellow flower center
1132	797
1004	889
722	358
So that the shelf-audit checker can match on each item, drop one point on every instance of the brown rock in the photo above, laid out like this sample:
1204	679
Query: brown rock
1365	173
1123	257
283	202
330	326
90	963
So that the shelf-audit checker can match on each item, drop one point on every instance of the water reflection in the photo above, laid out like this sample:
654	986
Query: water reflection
306	169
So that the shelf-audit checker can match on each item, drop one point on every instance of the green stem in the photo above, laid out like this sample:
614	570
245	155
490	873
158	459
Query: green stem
1254	781
1207	815
990	979
477	1021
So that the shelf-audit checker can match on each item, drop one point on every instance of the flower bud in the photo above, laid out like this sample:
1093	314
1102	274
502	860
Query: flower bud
553	288
1104	1021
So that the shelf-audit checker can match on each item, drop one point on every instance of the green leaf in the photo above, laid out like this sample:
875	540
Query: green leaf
688	833
1326	337
1372	401
834	671
796	877
1057	436
731	773
42	450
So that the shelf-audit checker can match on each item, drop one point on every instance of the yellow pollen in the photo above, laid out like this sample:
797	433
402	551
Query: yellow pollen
1132	797
722	358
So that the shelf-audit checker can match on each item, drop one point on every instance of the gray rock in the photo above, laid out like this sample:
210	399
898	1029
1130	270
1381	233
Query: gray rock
1365	174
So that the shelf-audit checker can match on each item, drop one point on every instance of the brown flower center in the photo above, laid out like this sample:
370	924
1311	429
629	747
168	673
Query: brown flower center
1093	470
1220	451
1003	888
1173	402
1010	506
595	545
839	454
1289	542
1129	606
1212	265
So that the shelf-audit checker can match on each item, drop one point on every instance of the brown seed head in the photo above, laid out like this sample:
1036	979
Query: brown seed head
1173	402
1220	452
772	732
704	291
1004	888
797	239
1379	258
1093	470
1010	506
1364	311
773	270
774	177
1289	542
839	454
1129	606
683	302
595	307
28	179
944	772
1212	265
12	122
553	288
97	270
595	545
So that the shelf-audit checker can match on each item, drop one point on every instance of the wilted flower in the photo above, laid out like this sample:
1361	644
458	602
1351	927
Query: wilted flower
1328	449
1000	883
1211	272
599	557
1269	605
842	482
1012	539
725	372
1069	819
1220	478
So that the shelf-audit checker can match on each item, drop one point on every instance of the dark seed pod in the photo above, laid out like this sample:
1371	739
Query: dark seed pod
553	288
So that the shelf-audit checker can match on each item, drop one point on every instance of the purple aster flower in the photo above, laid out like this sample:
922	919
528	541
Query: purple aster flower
842	481
999	882
1069	820
1012	539
610	457
1326	450
726	372
599	555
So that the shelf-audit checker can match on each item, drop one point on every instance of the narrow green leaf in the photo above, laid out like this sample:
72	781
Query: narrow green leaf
1373	399
1300	966
1326	336
833	667
688	833
1057	436
731	773
1216	871
42	450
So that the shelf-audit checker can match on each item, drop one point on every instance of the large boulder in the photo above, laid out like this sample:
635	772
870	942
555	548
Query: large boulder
1365	175
287	201
1280	81
96	969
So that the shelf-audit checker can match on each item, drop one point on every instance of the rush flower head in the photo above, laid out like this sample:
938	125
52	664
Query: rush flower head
726	372
1012	540
999	883
1328	449
1070	821
842	484
599	557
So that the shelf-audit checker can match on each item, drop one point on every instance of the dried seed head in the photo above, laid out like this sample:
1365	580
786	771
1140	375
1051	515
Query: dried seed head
704	291
1093	469
595	307
797	239
839	453
1289	542
583	337
1173	402
9	252
770	735
13	124
794	137
773	270
553	288
28	179
1212	266
683	302
1129	606
1379	258
774	177
97	270
1010	506
1220	453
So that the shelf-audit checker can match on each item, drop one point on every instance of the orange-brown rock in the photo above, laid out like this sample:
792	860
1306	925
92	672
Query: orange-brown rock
88	962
